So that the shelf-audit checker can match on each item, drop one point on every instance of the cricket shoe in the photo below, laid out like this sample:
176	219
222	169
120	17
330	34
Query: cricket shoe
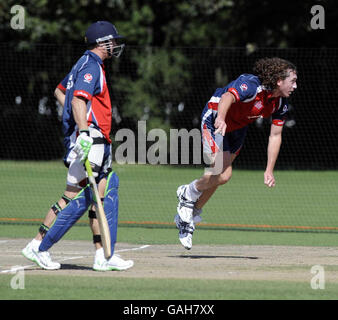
185	232
118	264
100	262
44	261
114	263
185	207
27	252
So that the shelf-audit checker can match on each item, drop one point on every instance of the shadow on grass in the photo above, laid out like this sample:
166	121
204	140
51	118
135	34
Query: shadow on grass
74	267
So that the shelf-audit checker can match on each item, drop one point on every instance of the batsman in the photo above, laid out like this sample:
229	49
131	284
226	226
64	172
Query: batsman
86	122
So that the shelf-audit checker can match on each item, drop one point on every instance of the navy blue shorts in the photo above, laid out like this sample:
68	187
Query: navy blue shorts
231	141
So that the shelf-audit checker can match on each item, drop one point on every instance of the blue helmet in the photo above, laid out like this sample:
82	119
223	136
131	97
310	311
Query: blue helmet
102	32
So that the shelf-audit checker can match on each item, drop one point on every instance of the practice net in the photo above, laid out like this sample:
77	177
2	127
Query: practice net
157	95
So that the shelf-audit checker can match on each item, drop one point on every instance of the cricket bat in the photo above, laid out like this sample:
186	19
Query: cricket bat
100	214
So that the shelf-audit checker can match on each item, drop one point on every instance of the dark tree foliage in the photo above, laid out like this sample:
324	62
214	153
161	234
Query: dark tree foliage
172	58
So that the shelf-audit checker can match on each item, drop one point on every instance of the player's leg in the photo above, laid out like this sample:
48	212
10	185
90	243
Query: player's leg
100	160
204	198
66	218
220	172
207	193
95	228
47	223
108	184
188	195
221	169
80	199
77	184
108	189
67	212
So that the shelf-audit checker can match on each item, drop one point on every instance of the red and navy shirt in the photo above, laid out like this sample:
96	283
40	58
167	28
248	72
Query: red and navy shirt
252	101
87	79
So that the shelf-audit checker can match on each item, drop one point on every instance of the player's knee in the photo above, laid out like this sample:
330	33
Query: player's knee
58	206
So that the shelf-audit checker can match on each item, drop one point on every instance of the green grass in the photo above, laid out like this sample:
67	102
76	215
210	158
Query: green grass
148	193
140	235
87	288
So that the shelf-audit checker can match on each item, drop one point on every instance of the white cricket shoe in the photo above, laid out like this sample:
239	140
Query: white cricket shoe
27	252
44	261
185	207
186	240
114	263
100	262
118	264
185	220
185	232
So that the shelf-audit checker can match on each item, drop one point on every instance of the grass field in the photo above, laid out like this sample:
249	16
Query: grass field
147	194
148	289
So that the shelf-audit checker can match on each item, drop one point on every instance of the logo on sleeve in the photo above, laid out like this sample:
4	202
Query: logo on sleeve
70	82
243	87
88	78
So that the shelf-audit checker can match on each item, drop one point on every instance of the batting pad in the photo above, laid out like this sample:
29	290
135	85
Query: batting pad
111	206
67	218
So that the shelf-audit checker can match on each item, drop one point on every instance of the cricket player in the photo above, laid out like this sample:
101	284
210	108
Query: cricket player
225	120
86	124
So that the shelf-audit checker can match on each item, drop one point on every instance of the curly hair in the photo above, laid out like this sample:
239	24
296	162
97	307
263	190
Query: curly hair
270	70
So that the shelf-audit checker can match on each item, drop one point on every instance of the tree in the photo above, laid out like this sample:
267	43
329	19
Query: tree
160	65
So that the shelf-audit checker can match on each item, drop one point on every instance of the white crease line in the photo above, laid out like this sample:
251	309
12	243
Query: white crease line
133	249
3	241
17	268
73	258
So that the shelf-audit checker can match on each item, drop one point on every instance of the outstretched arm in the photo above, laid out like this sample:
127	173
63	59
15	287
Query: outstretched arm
275	141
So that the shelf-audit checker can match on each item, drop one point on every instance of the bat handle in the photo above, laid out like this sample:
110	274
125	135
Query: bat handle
88	168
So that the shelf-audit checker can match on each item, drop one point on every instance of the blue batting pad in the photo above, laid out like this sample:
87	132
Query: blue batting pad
111	206
67	218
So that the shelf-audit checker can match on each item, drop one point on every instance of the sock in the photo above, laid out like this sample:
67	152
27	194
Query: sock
35	243
99	253
192	193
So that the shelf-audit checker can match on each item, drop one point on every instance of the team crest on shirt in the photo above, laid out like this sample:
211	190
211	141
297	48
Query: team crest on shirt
88	78
258	105
243	87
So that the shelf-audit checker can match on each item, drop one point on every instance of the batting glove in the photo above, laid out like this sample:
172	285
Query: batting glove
82	145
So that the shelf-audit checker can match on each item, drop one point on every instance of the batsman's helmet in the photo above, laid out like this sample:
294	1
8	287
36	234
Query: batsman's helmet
102	32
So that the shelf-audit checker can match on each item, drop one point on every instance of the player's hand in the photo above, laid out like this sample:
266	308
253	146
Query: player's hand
82	146
220	125
269	179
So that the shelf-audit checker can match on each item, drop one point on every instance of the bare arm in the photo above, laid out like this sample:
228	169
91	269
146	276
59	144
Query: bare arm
80	112
275	141
60	96
224	105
